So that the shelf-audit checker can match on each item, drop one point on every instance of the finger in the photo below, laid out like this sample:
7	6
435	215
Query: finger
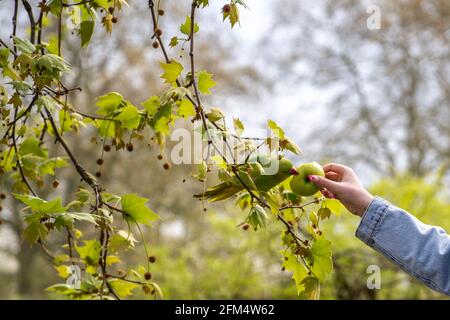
327	194
333	176
321	182
338	168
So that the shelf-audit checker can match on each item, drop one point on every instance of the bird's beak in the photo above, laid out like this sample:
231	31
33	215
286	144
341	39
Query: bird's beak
293	171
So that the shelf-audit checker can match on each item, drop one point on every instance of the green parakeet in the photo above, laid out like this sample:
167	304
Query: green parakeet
282	169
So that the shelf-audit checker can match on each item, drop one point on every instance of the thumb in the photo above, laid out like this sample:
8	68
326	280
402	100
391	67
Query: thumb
322	182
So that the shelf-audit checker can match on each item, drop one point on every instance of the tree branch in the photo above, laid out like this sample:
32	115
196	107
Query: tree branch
29	11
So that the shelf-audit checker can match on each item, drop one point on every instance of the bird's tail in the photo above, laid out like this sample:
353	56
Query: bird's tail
219	192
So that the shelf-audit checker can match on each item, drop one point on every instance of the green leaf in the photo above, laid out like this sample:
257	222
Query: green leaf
186	27
162	119
48	166
205	82
106	128
32	146
34	231
311	287
219	161
202	170
90	252
324	213
52	62
47	102
238	126
215	114
172	71
121	240
135	208
233	15
277	130
86	30
81	216
173	42
248	181
129	117
39	205
290	145
152	105
299	272
24	45
175	94
63	271
122	288
257	217
20	85
321	253
313	218
186	109
225	176
108	103
204	3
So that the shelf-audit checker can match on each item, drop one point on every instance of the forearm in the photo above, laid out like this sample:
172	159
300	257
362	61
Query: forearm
421	250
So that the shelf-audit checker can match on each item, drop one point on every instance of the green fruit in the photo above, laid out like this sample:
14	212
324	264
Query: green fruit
300	183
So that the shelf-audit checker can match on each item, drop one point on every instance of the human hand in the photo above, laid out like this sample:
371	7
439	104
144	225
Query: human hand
341	183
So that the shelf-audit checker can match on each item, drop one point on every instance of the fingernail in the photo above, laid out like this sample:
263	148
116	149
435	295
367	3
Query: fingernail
311	178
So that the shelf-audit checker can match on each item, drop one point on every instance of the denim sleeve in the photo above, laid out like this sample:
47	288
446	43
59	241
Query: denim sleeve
419	249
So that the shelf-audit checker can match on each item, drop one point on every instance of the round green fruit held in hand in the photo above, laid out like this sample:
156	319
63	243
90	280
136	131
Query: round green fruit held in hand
300	183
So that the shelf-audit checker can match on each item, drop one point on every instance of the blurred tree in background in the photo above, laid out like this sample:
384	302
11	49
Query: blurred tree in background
388	97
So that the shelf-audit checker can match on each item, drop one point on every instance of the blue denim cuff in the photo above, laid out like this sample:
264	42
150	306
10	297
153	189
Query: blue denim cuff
371	220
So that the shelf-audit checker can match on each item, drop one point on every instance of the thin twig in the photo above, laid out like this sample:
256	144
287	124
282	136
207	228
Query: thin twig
19	163
29	11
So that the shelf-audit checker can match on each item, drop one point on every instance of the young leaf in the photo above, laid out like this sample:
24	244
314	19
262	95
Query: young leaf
90	252
238	126
135	208
290	145
277	130
257	217
85	32
173	42
24	45
202	170
108	103
322	262
215	114
122	288
186	27
34	231
129	117
205	82
299	272
186	109
172	71
219	161
152	105
204	3
41	206
232	15
324	213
